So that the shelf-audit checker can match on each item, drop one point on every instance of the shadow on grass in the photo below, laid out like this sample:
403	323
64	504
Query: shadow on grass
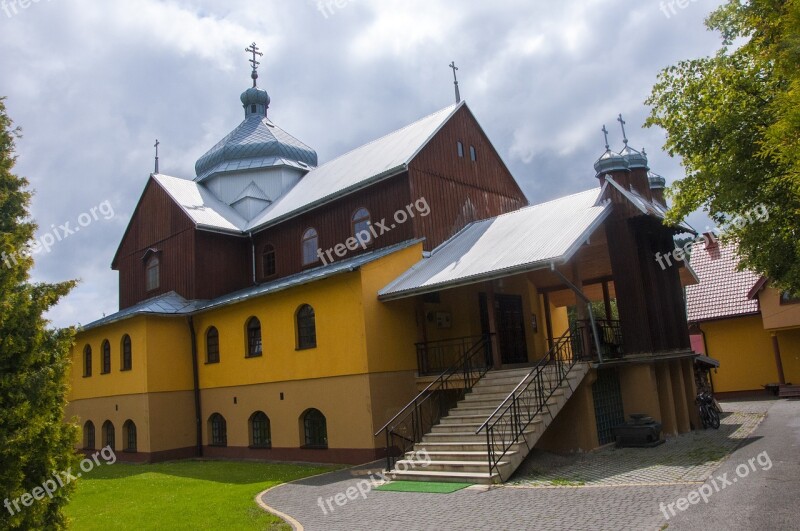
217	471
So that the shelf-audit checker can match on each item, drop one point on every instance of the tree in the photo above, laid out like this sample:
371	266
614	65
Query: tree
34	360
734	118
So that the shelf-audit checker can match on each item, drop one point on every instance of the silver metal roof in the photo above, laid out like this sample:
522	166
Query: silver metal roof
172	304
647	207
380	158
200	205
255	143
524	240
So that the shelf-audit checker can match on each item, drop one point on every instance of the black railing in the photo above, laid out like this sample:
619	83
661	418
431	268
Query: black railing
435	357
412	422
508	422
610	339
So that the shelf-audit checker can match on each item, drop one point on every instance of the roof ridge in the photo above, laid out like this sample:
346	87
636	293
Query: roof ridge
390	133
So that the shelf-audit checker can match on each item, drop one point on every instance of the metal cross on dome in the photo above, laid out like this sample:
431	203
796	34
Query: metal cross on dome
605	134
253	48
622	123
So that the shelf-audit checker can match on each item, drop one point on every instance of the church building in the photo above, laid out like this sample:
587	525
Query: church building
402	296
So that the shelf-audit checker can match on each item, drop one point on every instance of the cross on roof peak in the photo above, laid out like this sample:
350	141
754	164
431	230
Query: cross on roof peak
253	48
455	80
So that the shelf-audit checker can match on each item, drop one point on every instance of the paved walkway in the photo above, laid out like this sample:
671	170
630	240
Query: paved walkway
613	495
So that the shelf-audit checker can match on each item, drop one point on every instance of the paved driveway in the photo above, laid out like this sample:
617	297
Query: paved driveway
602	502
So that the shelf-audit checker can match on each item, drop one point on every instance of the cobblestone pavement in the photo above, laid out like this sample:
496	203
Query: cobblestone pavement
689	458
604	502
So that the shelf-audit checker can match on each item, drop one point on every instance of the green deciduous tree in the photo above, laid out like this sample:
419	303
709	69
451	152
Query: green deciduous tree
34	360
734	118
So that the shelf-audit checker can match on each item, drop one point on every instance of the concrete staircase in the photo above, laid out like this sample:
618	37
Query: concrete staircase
459	455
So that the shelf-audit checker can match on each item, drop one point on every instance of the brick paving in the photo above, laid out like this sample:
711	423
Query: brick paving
614	495
689	458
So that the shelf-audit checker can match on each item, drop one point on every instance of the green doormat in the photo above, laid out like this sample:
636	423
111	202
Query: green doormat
423	486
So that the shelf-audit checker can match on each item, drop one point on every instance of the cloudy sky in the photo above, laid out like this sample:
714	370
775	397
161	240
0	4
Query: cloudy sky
93	84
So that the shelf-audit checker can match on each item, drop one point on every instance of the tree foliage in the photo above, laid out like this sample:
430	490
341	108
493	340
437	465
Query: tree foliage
34	360
734	118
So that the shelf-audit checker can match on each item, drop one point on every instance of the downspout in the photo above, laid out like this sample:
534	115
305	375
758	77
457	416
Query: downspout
196	377
583	297
253	249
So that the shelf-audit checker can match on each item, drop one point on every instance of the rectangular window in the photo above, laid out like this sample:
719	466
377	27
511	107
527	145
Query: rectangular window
472	154
461	150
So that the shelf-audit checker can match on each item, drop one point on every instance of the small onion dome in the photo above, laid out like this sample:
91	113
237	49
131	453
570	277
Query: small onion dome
635	158
657	182
610	161
255	101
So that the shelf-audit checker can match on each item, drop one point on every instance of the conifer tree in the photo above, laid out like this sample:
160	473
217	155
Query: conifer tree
35	442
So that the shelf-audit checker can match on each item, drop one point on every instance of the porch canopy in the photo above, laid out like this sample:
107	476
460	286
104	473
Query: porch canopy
538	237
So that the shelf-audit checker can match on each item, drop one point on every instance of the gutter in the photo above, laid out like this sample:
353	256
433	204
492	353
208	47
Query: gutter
196	384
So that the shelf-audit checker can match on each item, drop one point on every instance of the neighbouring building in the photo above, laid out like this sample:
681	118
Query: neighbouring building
737	318
275	308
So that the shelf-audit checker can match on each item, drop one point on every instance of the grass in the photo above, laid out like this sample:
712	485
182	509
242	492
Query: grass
423	486
180	495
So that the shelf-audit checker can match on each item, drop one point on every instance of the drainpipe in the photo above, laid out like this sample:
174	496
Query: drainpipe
196	376
253	249
582	297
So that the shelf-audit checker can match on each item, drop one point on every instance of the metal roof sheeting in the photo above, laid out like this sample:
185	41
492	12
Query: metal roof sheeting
382	157
523	240
201	205
167	304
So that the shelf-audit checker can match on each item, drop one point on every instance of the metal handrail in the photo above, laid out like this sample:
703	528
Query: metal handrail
512	414
471	373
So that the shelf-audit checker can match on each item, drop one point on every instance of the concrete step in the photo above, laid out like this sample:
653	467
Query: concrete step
455	446
470	436
466	455
494	398
483	478
450	466
456	427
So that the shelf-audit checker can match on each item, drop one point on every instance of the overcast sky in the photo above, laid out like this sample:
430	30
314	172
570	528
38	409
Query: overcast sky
93	84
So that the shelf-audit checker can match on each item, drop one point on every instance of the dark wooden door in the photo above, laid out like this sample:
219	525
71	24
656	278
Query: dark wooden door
510	319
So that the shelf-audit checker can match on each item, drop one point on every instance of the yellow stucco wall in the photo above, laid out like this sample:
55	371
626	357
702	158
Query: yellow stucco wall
116	382
774	314
744	350
341	344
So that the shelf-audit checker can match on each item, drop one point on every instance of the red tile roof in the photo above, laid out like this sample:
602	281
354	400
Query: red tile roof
723	289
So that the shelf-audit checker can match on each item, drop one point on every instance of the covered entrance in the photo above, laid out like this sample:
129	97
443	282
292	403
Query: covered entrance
510	325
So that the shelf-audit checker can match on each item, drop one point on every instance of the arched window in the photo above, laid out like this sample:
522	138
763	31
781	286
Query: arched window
253	338
87	361
473	154
88	435
106	353
212	345
218	429
129	435
361	222
310	246
460	149
127	357
260	436
108	435
306	327
315	429
153	273
268	260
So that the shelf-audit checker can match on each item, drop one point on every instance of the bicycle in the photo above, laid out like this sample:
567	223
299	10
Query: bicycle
709	414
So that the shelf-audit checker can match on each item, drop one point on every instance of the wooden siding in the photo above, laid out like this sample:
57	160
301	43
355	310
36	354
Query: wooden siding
160	224
457	189
223	264
333	223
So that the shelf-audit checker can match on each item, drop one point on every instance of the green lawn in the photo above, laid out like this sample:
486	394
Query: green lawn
180	495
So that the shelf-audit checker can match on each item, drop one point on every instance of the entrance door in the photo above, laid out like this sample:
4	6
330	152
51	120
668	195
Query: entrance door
510	320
